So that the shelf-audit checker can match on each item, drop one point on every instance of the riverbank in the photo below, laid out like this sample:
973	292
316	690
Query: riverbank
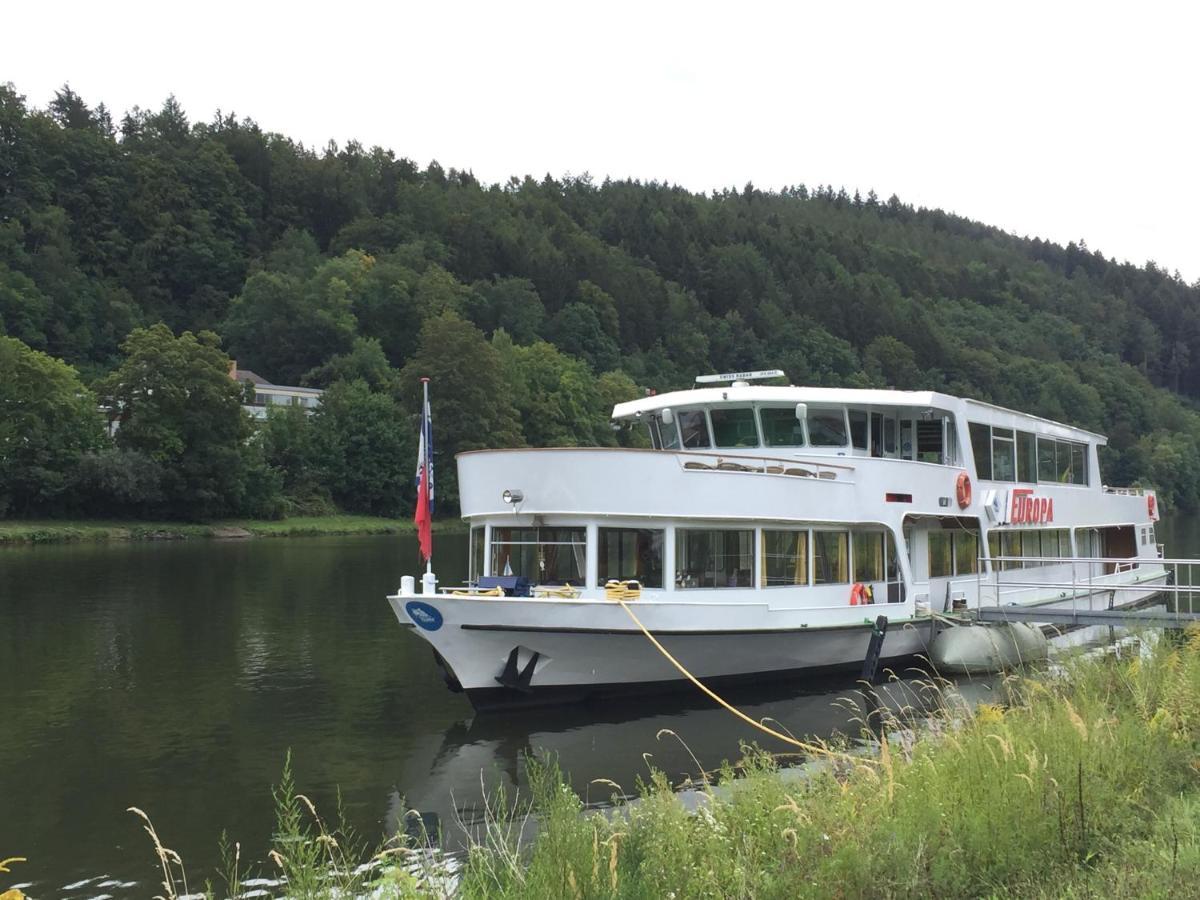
1082	784
66	530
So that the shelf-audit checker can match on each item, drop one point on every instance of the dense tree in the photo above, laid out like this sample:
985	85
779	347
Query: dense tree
473	406
174	402
297	256
363	449
48	421
281	326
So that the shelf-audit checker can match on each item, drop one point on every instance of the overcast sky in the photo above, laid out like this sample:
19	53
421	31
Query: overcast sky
1066	121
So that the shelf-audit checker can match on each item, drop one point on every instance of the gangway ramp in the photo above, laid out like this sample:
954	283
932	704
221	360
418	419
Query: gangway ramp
1125	618
1132	593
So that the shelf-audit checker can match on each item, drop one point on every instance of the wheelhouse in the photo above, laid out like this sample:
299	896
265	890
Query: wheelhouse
922	433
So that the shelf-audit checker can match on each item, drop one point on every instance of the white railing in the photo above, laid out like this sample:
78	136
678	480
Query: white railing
1126	491
1178	579
764	465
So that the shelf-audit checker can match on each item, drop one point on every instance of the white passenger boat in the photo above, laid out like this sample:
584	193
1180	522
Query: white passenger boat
766	529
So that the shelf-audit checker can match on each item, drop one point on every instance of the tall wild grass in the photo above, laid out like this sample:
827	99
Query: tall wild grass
1083	784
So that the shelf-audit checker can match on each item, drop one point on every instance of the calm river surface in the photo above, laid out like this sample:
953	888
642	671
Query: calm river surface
176	676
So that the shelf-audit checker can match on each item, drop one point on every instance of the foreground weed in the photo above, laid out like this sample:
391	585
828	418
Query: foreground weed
1084	784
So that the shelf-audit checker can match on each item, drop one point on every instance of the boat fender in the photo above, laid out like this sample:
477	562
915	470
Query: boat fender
861	594
962	490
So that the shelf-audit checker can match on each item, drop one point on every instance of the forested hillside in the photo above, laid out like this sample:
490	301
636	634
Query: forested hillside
533	304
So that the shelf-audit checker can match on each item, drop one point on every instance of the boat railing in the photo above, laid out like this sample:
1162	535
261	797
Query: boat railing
764	465
1120	579
1126	491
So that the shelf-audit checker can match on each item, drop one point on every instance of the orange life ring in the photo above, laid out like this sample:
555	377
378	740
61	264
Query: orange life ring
962	489
1151	507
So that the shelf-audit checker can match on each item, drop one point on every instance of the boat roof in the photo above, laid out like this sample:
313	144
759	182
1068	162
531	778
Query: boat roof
704	396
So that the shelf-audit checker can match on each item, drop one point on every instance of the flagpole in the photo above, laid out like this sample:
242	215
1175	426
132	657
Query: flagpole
428	462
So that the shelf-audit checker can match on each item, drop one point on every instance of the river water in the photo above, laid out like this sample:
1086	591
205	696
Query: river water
176	676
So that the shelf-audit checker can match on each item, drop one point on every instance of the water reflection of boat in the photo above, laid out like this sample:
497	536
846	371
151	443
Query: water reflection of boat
448	779
768	529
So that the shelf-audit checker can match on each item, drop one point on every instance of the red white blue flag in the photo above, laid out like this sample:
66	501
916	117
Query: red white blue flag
423	518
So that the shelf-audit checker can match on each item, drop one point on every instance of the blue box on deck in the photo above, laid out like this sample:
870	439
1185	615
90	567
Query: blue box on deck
513	585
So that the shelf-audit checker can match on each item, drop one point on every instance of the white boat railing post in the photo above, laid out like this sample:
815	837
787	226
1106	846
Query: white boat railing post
1075	594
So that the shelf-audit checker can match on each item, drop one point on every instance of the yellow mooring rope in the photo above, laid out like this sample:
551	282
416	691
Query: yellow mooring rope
815	749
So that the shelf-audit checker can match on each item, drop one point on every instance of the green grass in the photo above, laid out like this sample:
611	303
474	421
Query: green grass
57	531
1084	785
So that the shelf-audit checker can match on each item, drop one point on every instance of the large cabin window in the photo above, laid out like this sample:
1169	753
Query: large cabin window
858	429
714	559
476	561
953	552
1063	462
784	558
1026	457
827	427
941	554
981	446
662	436
631	553
831	557
780	427
543	555
1004	455
966	552
693	429
868	556
930	436
734	427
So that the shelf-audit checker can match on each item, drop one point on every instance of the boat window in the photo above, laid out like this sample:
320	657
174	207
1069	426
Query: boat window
951	441
981	446
693	427
784	558
930	435
654	433
906	439
876	434
1079	464
1004	462
780	427
734	427
1026	457
543	555
476	561
1047	471
631	553
1010	545
1062	452
966	552
1031	547
891	445
668	433
831	562
941	554
1056	542
714	559
1064	462
858	429
827	427
868	556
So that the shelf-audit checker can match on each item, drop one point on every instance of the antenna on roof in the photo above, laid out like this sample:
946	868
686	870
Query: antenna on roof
740	379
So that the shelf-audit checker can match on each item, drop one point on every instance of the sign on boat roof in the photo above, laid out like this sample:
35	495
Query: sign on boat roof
735	377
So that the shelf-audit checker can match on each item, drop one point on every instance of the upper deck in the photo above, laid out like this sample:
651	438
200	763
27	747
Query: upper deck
993	443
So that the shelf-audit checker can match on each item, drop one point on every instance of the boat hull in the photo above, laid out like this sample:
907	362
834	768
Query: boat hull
520	652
